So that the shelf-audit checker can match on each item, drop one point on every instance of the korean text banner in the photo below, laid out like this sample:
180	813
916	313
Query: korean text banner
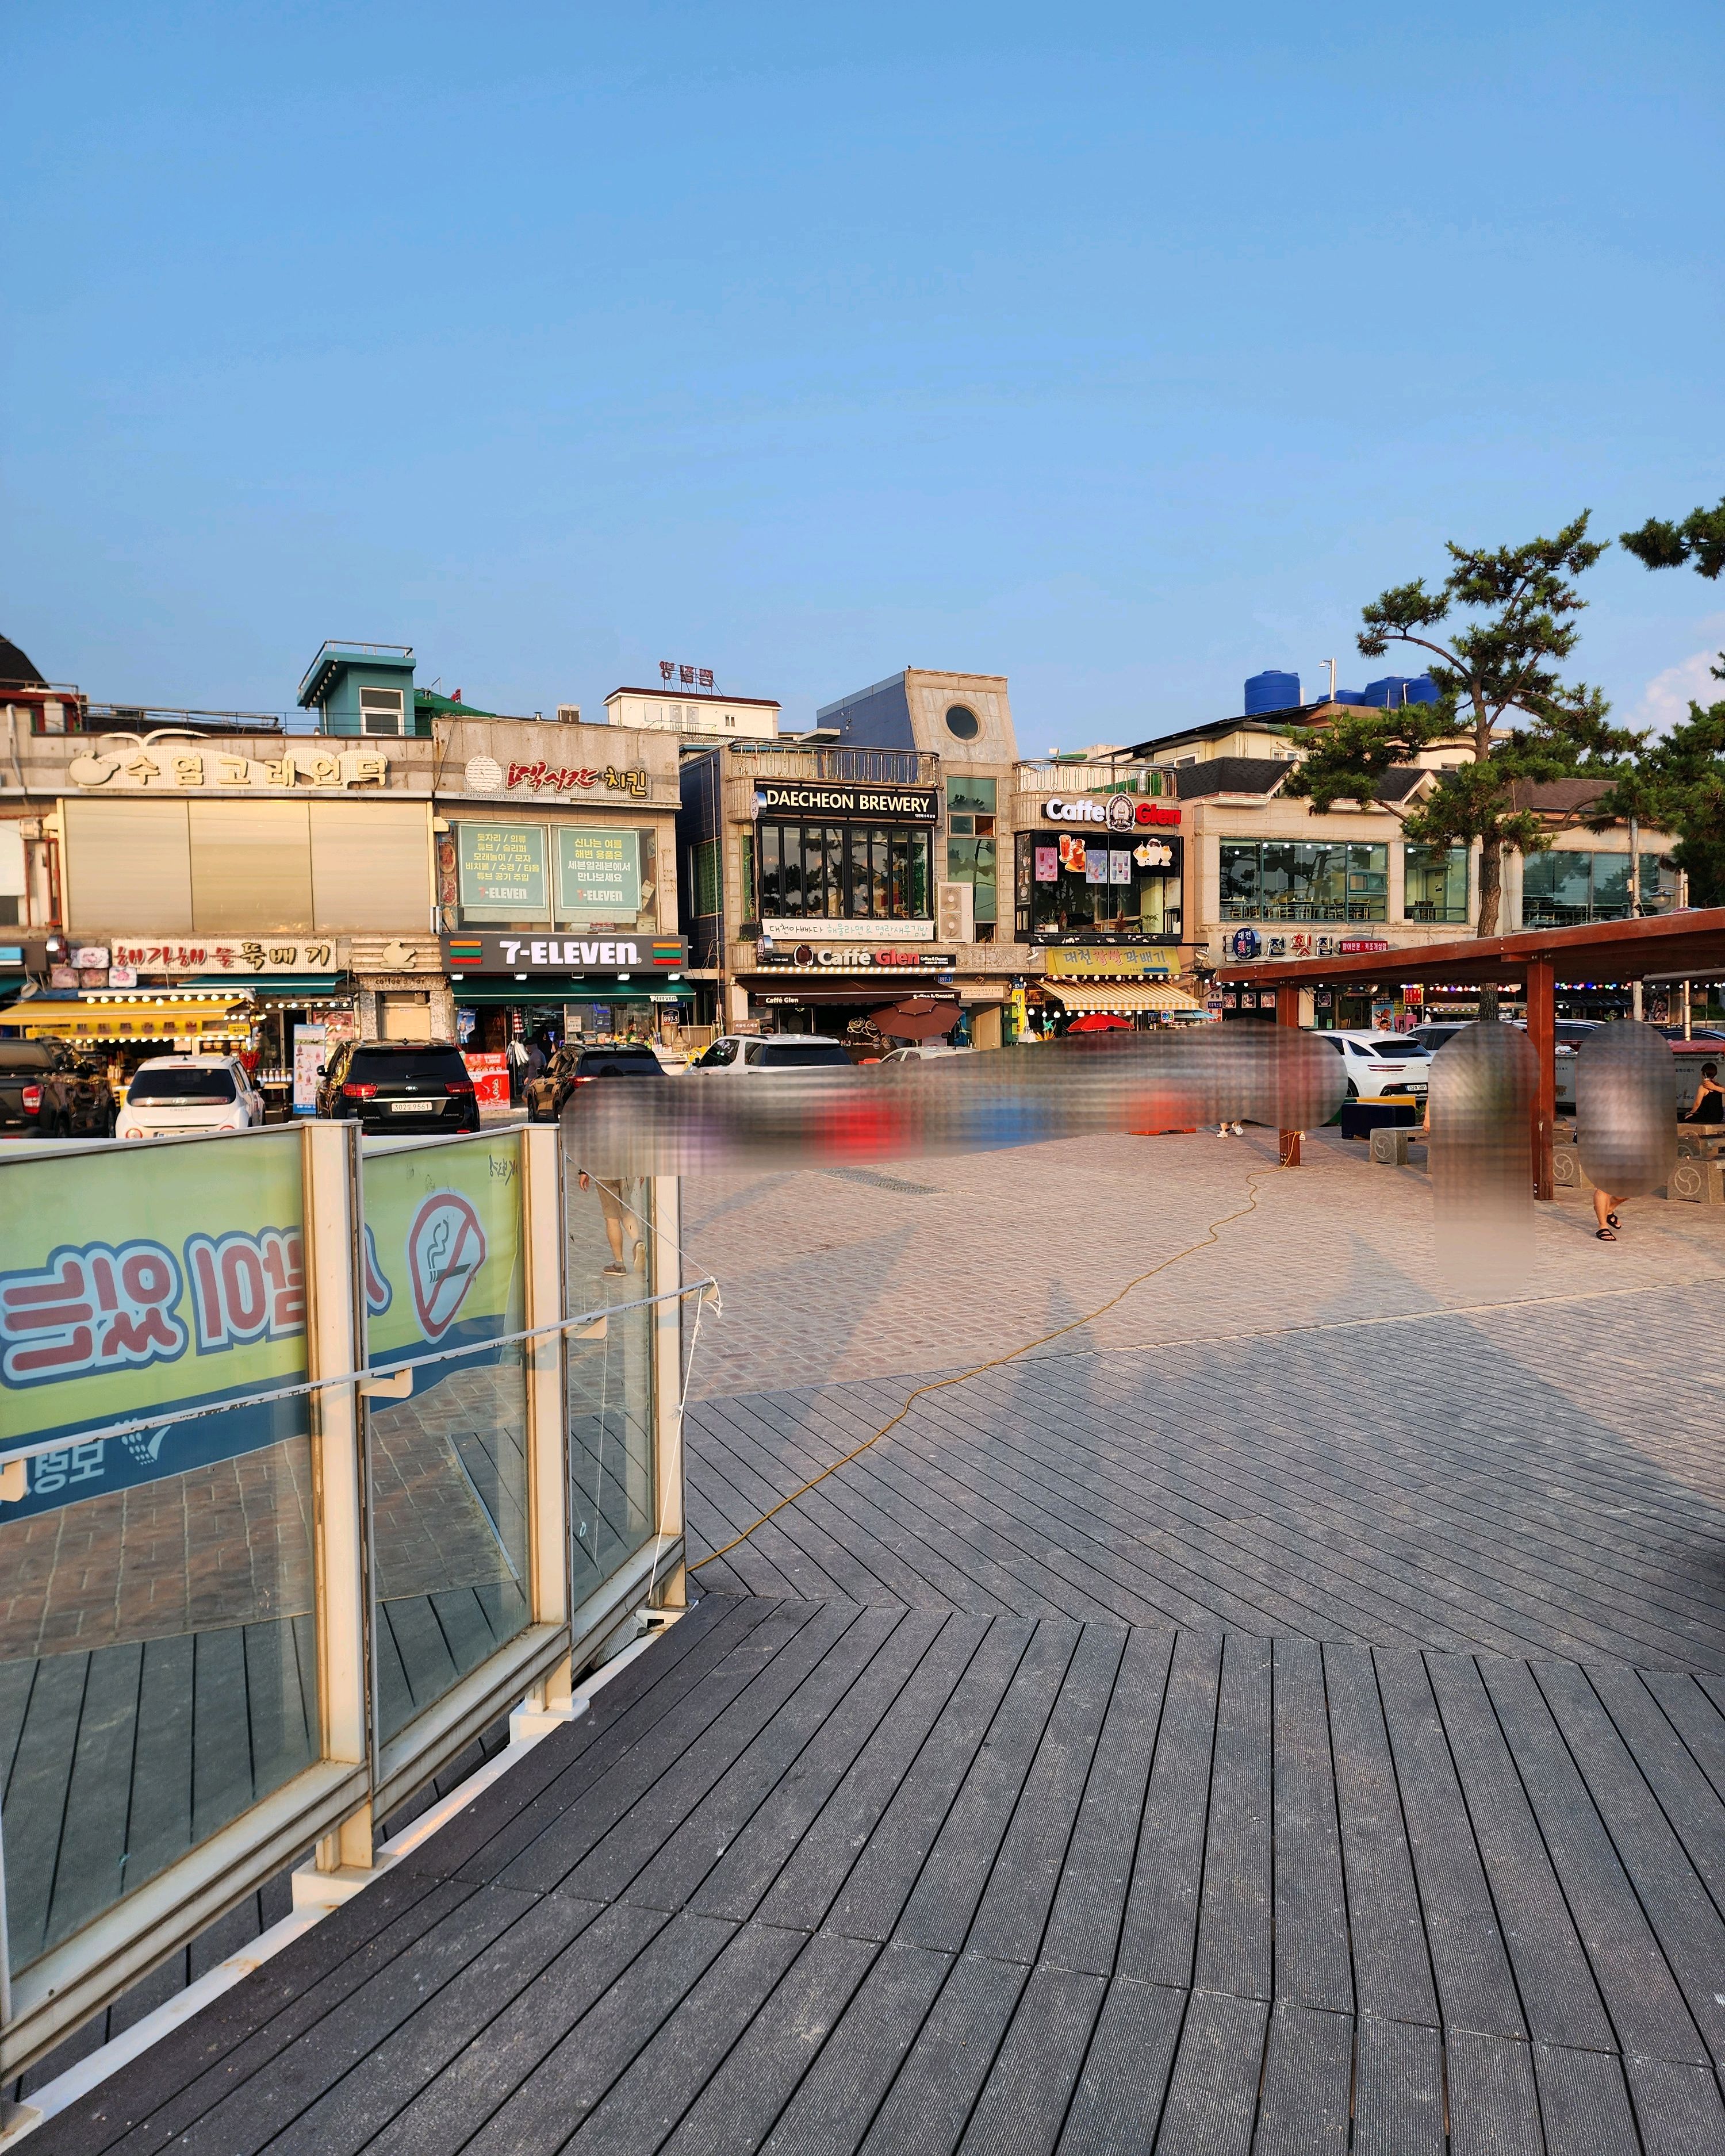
137	1279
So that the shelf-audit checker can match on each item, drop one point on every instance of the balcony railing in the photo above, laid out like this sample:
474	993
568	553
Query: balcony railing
1150	780
307	1476
836	767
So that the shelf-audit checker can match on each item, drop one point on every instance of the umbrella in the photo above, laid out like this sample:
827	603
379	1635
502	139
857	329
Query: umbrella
920	1018
1101	1022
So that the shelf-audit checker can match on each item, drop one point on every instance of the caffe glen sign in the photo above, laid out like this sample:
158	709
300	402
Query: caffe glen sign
1115	812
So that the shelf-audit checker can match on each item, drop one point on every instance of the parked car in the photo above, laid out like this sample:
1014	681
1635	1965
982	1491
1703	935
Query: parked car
1380	1063
171	1096
921	1051
399	1085
750	1056
573	1066
47	1090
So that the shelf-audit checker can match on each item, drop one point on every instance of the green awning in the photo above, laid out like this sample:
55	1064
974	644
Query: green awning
644	988
270	984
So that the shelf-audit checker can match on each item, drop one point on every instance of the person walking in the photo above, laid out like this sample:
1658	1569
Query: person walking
1605	1216
517	1057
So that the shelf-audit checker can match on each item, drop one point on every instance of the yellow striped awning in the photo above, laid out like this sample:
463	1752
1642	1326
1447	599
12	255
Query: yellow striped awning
1123	996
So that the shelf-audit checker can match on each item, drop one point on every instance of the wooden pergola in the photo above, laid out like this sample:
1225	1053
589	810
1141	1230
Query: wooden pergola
1671	946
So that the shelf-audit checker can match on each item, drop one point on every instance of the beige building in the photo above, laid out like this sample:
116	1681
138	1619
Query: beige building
218	890
695	713
907	848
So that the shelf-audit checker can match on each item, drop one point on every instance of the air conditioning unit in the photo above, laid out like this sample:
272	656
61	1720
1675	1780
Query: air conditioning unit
955	912
568	715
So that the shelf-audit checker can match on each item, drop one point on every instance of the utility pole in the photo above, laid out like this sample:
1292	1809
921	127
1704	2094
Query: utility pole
1634	831
1331	664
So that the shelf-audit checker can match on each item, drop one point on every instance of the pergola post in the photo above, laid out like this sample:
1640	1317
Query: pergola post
1287	1012
1542	1032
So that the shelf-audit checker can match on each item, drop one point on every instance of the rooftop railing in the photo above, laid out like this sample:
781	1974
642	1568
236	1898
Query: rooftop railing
307	1476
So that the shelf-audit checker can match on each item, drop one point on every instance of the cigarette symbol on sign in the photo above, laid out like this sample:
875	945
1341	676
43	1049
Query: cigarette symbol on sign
446	1247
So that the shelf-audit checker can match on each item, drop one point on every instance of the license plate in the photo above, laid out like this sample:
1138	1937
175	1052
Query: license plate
416	1107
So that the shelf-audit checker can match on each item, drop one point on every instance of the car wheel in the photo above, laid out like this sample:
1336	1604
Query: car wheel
1353	1091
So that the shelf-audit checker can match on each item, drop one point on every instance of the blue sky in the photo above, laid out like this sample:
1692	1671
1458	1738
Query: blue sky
1121	350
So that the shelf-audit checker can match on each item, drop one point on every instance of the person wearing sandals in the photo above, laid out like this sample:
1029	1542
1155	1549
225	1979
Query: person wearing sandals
1605	1214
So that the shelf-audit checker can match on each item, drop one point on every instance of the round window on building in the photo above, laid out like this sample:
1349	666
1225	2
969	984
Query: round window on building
963	723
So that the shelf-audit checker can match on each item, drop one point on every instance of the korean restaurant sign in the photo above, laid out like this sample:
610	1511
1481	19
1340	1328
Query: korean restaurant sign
133	766
484	774
242	956
135	1279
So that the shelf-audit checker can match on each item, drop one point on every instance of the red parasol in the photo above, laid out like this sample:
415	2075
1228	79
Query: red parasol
1101	1022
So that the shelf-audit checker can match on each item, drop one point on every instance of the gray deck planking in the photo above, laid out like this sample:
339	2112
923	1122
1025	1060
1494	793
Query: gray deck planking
1061	1774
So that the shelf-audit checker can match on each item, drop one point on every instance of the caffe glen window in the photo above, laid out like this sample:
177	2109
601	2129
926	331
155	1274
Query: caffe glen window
535	875
1116	886
843	872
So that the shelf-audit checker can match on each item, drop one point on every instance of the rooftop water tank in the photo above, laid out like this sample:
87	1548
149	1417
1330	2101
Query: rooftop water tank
1271	690
1395	690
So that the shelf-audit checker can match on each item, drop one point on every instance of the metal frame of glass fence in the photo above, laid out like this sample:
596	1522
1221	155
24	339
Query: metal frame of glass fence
335	1806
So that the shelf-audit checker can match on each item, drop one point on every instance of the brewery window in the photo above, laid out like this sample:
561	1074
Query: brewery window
843	872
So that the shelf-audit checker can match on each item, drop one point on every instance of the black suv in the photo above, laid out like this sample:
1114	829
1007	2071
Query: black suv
399	1085
579	1066
47	1091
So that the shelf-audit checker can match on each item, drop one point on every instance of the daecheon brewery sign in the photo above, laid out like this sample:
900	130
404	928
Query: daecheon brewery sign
915	805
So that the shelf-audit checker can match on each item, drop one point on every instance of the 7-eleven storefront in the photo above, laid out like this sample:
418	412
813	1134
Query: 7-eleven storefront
554	988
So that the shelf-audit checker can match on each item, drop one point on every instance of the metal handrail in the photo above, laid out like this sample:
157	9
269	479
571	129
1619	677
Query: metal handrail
349	1376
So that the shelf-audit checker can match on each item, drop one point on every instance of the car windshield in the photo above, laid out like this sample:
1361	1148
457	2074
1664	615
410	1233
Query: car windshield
619	1063
398	1066
32	1055
181	1081
798	1054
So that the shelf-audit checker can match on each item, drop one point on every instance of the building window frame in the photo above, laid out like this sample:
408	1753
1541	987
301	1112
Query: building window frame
1302	880
1442	875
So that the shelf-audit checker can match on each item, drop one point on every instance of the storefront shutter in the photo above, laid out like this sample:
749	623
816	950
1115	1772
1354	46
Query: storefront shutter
251	867
371	866
128	868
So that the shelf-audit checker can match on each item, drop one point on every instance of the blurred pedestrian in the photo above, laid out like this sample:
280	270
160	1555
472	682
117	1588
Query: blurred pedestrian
1708	1106
1604	1214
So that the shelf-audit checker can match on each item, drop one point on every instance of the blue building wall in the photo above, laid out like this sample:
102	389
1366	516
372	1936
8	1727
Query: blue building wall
879	717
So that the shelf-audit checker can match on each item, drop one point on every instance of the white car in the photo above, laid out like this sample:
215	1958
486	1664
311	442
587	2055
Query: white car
171	1096
922	1050
1380	1063
769	1055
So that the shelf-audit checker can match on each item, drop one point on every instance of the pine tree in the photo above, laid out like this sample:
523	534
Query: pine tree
1493	632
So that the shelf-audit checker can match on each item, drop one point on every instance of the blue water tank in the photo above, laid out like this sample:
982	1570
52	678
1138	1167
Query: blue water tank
1351	696
1387	692
1271	690
1422	689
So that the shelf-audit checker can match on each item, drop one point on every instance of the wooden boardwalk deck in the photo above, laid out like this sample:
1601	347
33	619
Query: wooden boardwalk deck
1069	1774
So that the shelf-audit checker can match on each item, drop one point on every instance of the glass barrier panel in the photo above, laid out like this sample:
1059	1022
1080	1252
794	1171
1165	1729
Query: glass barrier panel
448	1465
158	1668
610	1372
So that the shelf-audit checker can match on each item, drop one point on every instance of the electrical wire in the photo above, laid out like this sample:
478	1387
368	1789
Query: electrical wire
1211	1236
